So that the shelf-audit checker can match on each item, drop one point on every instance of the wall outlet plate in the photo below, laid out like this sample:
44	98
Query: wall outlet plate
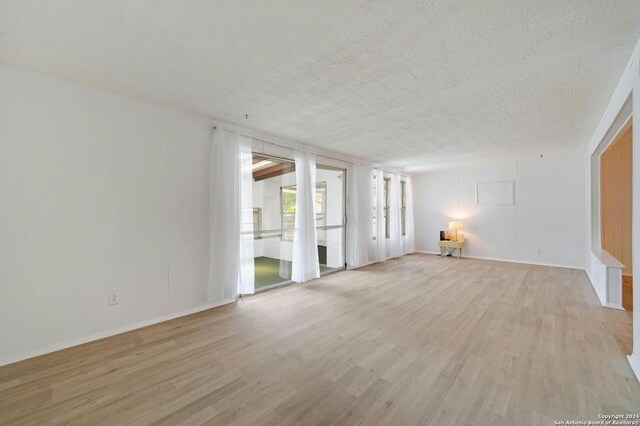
114	299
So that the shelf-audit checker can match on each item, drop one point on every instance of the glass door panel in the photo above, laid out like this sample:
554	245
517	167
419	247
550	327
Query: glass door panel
274	202
273	218
330	214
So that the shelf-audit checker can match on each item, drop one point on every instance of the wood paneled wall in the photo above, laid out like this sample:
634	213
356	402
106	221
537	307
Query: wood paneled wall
616	187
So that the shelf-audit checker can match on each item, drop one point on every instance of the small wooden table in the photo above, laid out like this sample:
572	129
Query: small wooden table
444	245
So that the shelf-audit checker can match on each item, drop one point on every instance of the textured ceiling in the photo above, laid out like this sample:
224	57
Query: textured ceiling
412	84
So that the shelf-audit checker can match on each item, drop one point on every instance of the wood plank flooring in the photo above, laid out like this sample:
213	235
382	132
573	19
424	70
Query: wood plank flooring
417	340
627	292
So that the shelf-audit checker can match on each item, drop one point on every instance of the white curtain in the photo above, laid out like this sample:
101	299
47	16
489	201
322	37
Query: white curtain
229	268
380	249
246	283
408	243
305	246
359	210
395	228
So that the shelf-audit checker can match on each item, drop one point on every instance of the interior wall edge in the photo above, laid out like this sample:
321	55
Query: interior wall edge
634	361
616	102
628	85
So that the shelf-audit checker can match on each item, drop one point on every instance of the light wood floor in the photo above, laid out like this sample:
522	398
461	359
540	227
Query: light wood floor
627	292
418	340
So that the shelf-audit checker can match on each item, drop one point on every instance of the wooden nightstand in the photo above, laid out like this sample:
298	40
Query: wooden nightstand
444	245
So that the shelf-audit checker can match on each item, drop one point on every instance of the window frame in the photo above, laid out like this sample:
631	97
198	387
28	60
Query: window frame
374	198
386	207
257	225
320	218
403	207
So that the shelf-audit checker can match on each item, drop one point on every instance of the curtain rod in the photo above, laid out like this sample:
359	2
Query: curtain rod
283	146
320	155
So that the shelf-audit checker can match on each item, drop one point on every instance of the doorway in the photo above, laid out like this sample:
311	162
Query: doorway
616	187
274	202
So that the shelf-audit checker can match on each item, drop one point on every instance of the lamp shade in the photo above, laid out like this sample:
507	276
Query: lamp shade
455	225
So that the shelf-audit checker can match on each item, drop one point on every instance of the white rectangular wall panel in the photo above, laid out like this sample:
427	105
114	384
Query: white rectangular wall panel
495	193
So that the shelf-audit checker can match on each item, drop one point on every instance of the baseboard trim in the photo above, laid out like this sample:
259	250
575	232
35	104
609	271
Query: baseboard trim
353	268
373	262
613	306
524	262
634	361
108	333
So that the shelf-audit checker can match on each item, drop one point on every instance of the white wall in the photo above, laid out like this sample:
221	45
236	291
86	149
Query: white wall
99	193
548	213
628	89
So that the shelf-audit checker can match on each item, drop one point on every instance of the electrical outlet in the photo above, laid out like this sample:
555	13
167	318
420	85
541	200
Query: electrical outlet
114	299
538	250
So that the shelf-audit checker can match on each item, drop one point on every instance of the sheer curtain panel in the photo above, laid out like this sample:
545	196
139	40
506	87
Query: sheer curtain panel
246	282
408	243
359	220
305	245
395	228
229	269
380	244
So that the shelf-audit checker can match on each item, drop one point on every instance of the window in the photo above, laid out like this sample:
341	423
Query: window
387	222
385	207
321	211
403	206
374	198
257	221
288	209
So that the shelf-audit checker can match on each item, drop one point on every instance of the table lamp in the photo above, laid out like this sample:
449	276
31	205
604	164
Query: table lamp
455	226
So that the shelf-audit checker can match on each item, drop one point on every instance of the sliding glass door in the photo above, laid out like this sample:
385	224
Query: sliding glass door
274	207
273	219
330	217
